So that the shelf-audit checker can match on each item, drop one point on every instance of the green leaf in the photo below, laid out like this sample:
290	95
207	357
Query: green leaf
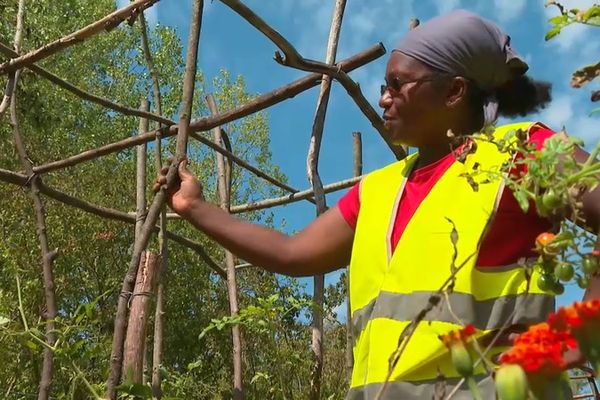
136	389
558	19
522	199
3	321
30	345
591	12
552	32
595	110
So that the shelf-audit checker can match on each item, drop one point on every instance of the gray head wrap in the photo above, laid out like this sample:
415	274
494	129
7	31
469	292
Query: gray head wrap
464	44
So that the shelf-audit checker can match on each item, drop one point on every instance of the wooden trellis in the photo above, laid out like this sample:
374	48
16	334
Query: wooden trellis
153	219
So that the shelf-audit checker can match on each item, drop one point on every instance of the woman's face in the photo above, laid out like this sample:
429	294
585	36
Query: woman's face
413	104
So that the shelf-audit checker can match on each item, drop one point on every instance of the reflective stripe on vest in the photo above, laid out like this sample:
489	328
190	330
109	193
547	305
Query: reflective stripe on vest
387	290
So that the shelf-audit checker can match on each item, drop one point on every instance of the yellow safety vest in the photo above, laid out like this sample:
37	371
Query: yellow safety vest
388	290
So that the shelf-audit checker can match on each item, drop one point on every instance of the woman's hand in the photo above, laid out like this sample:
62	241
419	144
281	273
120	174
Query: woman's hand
185	193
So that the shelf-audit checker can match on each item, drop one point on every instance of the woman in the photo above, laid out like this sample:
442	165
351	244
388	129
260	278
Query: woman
404	226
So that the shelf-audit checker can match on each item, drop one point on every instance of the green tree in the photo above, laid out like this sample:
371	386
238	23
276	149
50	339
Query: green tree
94	252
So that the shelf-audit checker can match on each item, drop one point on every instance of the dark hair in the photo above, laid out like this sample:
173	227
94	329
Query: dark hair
518	97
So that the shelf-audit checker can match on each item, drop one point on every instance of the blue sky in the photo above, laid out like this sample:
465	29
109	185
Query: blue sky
228	41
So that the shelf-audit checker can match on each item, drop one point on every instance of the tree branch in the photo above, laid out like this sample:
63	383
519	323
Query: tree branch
17	179
12	81
159	313
224	196
204	124
107	23
84	94
312	166
295	60
48	255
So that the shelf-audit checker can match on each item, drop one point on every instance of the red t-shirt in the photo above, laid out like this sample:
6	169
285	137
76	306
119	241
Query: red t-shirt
512	233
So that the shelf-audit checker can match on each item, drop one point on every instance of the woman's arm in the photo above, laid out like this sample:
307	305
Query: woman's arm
323	246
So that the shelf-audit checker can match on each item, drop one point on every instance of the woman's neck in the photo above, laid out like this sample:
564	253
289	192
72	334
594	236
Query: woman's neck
433	152
430	154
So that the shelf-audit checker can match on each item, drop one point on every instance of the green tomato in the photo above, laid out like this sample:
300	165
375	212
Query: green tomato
582	281
589	264
546	282
551	200
564	272
558	288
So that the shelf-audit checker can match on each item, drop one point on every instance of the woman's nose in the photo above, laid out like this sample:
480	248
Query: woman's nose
385	100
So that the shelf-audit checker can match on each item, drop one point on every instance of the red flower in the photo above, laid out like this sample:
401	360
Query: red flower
456	341
461	335
540	350
576	317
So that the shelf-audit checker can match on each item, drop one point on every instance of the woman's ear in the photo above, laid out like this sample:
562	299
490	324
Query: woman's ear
457	91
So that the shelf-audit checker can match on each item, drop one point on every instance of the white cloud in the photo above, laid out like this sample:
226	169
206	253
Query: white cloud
444	6
586	127
509	9
571	111
570	37
558	113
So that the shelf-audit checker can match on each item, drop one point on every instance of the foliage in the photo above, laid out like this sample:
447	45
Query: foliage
93	253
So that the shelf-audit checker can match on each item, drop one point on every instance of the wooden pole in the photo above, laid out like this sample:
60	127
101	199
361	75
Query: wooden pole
224	195
157	203
317	185
357	171
134	350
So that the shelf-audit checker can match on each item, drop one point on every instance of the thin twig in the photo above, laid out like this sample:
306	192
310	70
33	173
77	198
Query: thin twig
203	124
48	256
232	157
409	330
107	23
498	335
292	198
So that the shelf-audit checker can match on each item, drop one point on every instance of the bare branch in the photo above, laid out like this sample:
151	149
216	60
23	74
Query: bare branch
48	256
159	200
12	81
159	319
244	164
293	59
107	23
238	388
133	355
356	171
84	94
292	198
140	176
312	166
207	123
104	212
